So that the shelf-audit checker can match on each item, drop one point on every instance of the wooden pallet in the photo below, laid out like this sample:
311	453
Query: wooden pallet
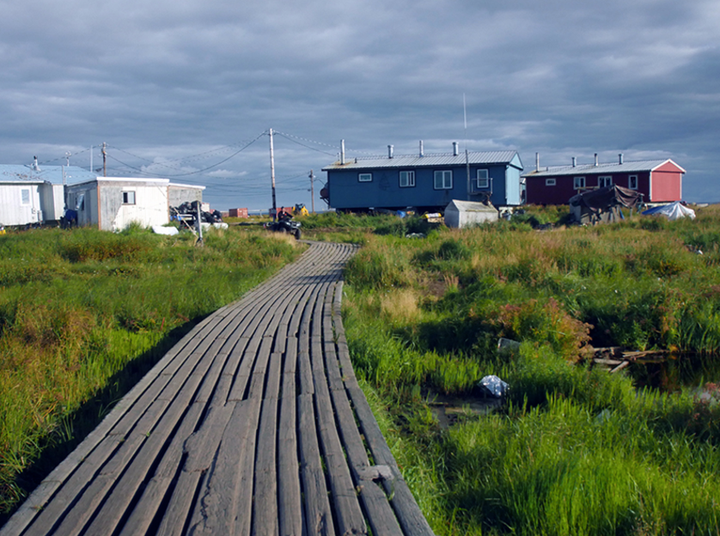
253	423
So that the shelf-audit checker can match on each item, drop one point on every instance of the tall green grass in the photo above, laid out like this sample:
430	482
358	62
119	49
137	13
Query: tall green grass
84	313
574	450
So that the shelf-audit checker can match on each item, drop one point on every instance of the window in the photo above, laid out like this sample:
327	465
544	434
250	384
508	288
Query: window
579	182
483	181
407	179
443	180
549	182
128	198
365	177
604	181
25	195
633	182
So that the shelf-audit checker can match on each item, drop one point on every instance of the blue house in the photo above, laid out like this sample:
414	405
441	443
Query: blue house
426	182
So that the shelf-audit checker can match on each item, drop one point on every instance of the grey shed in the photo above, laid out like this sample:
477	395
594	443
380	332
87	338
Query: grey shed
461	214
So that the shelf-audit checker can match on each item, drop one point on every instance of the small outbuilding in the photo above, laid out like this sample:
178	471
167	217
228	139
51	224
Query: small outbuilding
113	203
462	214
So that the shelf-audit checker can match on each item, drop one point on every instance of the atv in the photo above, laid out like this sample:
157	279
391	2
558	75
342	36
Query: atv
285	224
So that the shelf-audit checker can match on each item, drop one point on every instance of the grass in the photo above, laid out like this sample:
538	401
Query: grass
84	314
574	450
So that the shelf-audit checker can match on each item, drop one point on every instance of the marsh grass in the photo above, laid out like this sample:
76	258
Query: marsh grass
574	450
83	314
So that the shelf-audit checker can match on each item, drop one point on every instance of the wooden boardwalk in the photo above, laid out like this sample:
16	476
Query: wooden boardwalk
252	424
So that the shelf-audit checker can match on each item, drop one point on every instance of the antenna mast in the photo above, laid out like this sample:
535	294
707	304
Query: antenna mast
272	175
467	158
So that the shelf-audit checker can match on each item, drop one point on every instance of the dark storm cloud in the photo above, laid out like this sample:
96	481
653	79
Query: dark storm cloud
162	81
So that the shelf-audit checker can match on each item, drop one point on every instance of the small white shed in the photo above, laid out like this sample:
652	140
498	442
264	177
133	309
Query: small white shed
113	203
461	214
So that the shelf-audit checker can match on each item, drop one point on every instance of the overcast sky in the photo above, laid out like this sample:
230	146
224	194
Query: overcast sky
187	89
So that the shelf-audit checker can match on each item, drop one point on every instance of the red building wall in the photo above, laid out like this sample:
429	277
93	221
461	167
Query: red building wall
538	193
666	184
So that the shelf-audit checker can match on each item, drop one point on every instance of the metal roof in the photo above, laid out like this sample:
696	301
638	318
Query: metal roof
52	174
415	161
590	169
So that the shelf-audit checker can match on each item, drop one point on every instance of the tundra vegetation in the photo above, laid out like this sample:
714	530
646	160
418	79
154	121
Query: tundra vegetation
574	449
84	314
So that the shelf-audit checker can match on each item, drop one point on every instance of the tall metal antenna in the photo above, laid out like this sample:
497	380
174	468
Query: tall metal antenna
467	158
272	175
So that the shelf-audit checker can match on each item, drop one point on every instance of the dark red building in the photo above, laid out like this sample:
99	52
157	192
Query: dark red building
659	181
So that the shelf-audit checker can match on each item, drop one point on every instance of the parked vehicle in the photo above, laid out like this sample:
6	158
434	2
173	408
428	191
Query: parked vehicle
285	224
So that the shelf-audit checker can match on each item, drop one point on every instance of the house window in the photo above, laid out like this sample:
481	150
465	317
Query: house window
365	177
549	182
443	180
604	182
128	198
633	182
407	179
483	180
25	196
579	182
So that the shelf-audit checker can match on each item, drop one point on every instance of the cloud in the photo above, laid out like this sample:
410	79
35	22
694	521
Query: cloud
181	86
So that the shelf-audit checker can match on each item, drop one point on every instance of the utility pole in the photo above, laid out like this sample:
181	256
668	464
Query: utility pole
312	191
104	153
272	176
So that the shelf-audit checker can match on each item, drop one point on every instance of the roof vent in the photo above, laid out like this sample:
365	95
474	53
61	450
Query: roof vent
390	151
342	152
537	161
596	159
574	161
422	151
35	166
455	148
620	159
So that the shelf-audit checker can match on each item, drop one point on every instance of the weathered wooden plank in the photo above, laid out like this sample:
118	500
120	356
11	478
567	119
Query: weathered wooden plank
318	516
406	509
148	507
380	516
289	497
224	504
265	505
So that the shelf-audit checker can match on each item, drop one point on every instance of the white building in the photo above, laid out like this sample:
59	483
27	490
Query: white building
113	203
30	194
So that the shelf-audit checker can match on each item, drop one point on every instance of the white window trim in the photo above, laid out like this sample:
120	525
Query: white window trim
550	182
630	178
29	196
129	197
485	184
578	182
442	174
409	179
606	180
364	177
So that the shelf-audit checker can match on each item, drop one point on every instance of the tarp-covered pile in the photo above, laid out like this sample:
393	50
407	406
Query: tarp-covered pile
673	211
603	204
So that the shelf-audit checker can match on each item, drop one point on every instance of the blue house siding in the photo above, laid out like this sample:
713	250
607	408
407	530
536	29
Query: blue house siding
347	192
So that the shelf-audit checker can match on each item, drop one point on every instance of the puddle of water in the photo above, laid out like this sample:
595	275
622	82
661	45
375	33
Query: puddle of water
447	409
678	371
